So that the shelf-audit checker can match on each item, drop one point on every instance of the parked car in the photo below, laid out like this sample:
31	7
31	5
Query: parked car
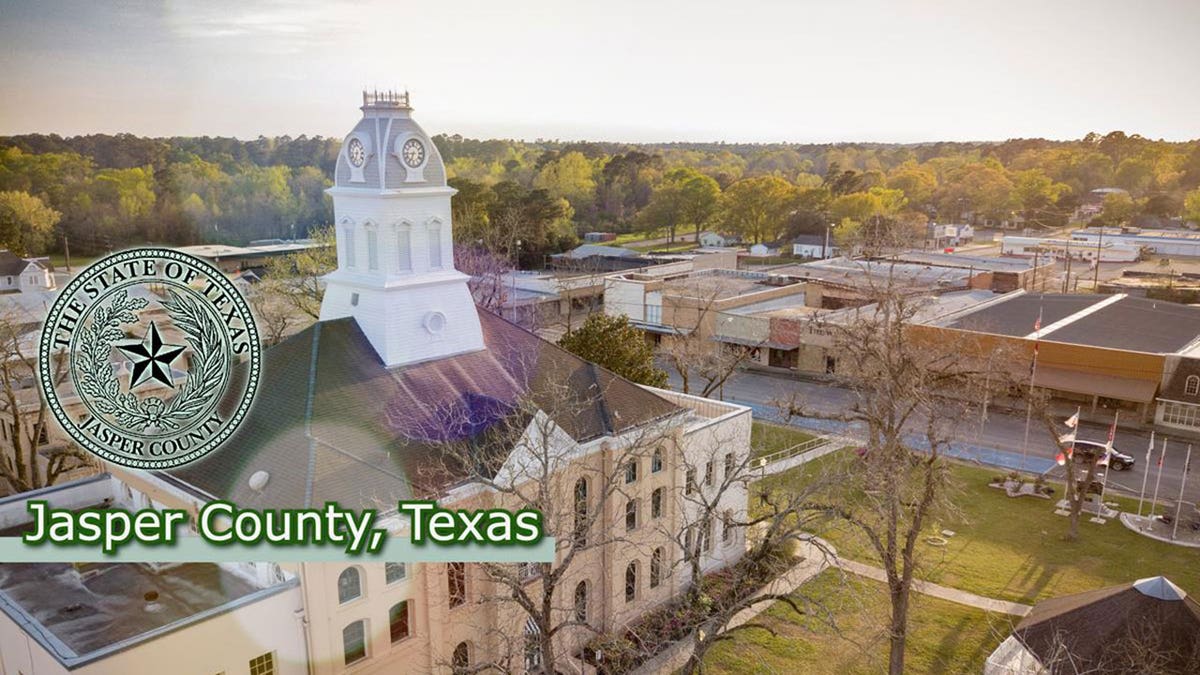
1117	460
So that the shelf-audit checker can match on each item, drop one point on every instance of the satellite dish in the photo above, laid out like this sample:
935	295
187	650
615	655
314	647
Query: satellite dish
258	480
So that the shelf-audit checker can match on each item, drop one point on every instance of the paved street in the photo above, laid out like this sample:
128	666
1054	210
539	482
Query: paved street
996	442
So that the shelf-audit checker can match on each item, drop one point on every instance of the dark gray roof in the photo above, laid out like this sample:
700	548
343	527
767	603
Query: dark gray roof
1018	315
11	264
1128	323
332	423
1099	630
1176	386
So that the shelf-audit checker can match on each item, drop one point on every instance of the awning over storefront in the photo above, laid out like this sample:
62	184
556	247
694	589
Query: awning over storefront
745	342
1094	384
659	328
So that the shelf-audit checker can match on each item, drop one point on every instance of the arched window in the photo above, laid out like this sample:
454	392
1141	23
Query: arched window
656	564
456	583
394	572
581	602
398	620
404	247
349	585
631	514
581	512
656	461
354	642
460	662
435	244
631	581
1191	386
656	503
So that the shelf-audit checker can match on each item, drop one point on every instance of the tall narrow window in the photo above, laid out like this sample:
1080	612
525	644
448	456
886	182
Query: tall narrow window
691	481
533	646
1191	386
403	248
656	563
709	476
727	526
456	583
631	514
631	470
348	237
349	585
730	466
460	662
372	249
656	461
581	602
581	512
354	642
656	503
398	620
631	581
435	245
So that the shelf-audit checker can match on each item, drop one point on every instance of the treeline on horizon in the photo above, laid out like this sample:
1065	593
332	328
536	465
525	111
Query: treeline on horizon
530	198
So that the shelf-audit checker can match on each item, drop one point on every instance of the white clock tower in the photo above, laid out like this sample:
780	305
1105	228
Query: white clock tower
395	271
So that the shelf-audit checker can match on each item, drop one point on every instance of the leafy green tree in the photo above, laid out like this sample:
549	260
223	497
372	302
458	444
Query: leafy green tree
26	223
686	197
1118	209
916	182
758	208
569	177
1037	194
1191	206
612	342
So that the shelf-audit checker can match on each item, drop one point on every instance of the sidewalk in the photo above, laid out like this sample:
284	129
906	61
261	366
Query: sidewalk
942	592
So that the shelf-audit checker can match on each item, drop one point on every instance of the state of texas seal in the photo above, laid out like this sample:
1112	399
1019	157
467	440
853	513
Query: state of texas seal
149	358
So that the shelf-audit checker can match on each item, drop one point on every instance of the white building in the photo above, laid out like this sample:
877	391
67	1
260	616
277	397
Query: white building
1171	243
19	274
1061	249
718	239
354	409
814	246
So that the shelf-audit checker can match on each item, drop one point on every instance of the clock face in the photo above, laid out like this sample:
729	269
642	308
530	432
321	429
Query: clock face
356	152
414	152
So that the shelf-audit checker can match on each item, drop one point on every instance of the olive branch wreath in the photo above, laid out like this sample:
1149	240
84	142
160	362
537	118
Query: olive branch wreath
98	381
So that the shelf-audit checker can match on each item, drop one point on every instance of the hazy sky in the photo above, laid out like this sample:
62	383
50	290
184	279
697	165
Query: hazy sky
640	70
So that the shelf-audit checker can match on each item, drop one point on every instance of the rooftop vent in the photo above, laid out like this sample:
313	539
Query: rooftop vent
1159	587
152	604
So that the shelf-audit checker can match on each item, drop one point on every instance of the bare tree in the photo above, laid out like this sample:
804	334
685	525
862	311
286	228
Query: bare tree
526	460
299	274
910	391
487	271
275	316
1079	469
702	363
24	409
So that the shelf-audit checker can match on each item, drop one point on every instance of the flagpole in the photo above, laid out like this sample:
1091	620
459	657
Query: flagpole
1157	481
1179	502
1037	333
1112	435
1142	495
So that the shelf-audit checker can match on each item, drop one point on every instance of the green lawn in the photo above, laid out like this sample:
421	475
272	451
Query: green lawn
766	438
1013	549
77	262
846	634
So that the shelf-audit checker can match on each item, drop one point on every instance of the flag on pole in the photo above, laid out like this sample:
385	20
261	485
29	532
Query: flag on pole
1060	458
1150	448
1073	420
1067	438
1112	431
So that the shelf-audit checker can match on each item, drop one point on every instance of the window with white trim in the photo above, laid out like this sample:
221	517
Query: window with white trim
348	237
263	664
435	245
1191	385
403	248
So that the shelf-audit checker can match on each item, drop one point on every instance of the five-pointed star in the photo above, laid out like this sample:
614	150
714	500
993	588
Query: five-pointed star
151	358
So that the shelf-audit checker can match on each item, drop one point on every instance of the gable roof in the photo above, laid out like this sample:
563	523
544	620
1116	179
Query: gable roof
330	422
1176	389
12	264
1095	627
812	240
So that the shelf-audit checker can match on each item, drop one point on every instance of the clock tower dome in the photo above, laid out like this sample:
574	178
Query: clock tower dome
395	272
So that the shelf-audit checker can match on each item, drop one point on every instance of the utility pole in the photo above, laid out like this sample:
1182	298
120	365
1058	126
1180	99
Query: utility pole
67	252
1096	277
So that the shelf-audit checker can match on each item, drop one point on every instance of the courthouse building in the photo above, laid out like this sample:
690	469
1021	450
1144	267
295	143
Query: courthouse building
354	410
